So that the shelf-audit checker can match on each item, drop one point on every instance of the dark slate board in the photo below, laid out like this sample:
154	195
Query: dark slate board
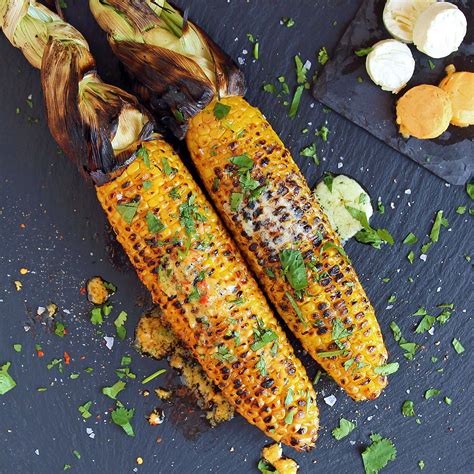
450	156
65	240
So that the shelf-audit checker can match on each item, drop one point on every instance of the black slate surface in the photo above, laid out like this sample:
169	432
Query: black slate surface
450	156
65	240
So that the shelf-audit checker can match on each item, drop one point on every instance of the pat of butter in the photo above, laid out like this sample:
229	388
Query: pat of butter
439	30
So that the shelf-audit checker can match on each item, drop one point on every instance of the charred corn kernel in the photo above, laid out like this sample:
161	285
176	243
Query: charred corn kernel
272	452
195	273
266	203
286	466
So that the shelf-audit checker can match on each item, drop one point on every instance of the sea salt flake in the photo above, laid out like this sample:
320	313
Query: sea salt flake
109	342
37	452
407	191
331	400
431	331
423	257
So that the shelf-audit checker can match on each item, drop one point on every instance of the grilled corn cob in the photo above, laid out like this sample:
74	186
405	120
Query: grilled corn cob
174	239
256	187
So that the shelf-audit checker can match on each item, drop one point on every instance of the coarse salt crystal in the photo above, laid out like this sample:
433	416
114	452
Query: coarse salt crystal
331	400
109	342
423	257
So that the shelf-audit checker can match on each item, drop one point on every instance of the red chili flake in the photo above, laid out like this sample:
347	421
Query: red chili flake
158	440
40	353
83	290
67	358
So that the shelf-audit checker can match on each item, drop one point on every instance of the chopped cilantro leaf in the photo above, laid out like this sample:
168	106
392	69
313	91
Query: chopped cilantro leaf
119	324
331	353
224	355
411	256
425	324
143	153
369	235
261	366
243	162
295	102
114	390
288	22
265	467
408	408
300	70
410	239
378	454
294	269
310	152
256	50
458	347
221	110
431	64
236	201
323	132
127	211
6	380
345	428
154	224
17	347
409	347
470	189
323	56
421	464
77	454
380	206
262	336
461	210
438	222
270	88
328	179
296	308
84	410
121	417
339	332
387	369
431	392
448	401
59	329
96	316
363	51
166	166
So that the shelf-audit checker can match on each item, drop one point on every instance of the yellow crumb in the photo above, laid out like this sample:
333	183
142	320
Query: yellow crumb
139	460
272	452
98	290
51	308
18	285
163	393
286	466
24	271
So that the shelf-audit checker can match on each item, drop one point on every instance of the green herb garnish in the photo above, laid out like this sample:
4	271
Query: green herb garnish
153	376
378	454
221	110
344	429
84	410
121	417
114	390
6	380
154	224
408	408
119	324
363	51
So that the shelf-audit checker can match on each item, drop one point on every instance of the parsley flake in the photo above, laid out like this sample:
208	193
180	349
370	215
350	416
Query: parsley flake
408	408
431	392
221	110
344	429
6	380
323	56
127	211
119	324
121	417
458	347
154	223
113	391
84	410
363	51
378	454
294	269
387	369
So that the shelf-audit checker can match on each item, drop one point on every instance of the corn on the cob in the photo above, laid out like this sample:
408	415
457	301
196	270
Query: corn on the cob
175	240
256	187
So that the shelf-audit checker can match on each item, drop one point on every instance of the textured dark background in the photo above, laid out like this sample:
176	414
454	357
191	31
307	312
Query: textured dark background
65	241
